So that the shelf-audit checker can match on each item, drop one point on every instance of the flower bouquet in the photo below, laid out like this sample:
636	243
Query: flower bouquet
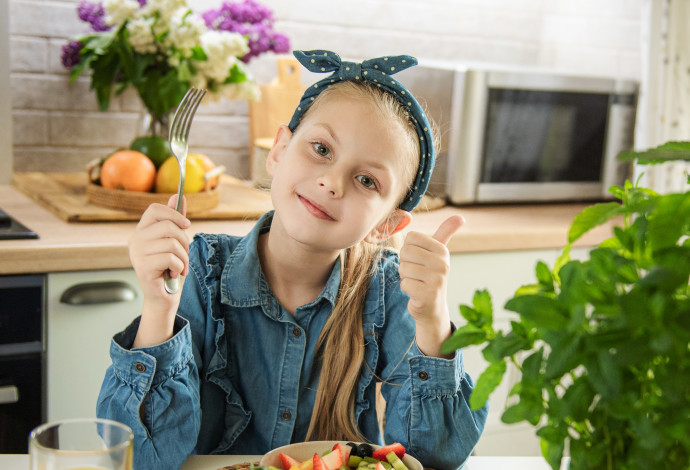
161	48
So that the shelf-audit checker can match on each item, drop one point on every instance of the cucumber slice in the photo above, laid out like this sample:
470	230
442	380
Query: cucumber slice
395	461
354	461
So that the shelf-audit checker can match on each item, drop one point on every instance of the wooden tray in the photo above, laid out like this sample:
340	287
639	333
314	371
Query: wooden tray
133	201
64	194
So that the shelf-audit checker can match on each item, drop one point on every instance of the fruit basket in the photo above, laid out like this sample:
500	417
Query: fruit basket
136	201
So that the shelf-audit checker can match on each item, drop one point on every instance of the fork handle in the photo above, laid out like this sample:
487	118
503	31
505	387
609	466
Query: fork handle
172	285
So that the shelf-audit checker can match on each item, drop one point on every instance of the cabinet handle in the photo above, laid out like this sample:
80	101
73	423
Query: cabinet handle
90	293
9	394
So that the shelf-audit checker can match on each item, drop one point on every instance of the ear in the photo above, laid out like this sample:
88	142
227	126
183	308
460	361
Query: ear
281	141
397	221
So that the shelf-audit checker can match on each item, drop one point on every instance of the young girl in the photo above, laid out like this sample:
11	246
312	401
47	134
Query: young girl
281	336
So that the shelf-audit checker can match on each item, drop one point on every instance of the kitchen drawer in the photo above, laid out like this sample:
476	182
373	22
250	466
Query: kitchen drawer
85	309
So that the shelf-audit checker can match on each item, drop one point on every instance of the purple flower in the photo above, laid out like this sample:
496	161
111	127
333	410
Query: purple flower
248	18
70	54
280	43
93	13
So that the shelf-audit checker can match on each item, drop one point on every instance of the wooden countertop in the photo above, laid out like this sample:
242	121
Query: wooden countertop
65	246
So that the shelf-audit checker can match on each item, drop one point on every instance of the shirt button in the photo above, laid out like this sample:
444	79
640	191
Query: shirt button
422	375
287	415
296	332
140	367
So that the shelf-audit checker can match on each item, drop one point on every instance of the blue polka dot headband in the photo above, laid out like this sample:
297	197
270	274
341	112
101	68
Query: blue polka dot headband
378	72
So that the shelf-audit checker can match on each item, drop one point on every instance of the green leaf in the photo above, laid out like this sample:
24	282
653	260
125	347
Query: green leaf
184	73
669	151
552	444
552	452
486	384
529	289
544	276
482	304
238	74
198	54
464	336
542	311
561	261
563	356
527	409
470	314
573	284
670	220
503	346
577	400
105	68
99	43
605	374
531	366
591	217
663	279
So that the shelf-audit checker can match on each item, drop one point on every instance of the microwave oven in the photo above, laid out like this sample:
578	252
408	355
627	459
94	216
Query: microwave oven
525	135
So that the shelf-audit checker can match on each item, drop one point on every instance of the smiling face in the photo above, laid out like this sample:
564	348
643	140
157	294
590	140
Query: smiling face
341	174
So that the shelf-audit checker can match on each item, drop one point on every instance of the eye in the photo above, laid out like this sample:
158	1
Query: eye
367	182
321	149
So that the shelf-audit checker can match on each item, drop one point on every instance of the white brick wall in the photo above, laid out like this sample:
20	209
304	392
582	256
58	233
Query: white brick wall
57	125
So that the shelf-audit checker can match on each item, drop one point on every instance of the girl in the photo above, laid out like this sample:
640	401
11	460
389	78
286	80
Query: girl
281	336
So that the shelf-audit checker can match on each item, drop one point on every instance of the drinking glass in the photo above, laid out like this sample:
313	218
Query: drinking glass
81	444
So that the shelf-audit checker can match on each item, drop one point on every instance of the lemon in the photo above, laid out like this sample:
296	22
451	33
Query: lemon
156	148
168	175
207	164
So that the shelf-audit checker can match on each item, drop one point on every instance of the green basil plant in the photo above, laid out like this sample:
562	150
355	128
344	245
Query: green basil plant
602	345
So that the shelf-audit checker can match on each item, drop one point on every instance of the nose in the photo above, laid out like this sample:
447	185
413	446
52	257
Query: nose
331	182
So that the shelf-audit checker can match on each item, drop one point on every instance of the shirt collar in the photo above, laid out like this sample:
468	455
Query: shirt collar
243	283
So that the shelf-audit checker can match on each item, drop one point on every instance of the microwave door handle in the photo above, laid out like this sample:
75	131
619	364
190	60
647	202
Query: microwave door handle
9	394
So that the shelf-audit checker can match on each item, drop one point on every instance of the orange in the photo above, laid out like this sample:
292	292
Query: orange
129	170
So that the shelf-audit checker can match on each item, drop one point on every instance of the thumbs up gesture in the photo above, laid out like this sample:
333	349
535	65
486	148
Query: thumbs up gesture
424	269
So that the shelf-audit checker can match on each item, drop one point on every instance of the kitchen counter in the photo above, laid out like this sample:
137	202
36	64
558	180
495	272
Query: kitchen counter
65	246
214	462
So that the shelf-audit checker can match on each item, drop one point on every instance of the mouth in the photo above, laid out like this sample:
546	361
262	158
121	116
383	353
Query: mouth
315	209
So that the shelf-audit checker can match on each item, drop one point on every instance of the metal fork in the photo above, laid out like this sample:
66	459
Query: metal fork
179	134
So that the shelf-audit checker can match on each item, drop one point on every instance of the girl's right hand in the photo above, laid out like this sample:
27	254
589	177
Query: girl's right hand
159	243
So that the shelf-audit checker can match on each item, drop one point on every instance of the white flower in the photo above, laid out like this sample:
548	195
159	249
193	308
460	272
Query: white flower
119	11
185	30
140	36
247	90
222	49
165	8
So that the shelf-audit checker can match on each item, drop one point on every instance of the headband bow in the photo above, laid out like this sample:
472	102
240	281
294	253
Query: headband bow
378	72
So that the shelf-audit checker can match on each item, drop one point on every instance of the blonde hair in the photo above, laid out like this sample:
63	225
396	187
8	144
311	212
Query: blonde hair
340	347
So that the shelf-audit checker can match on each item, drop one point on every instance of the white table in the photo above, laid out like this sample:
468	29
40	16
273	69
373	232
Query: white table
214	462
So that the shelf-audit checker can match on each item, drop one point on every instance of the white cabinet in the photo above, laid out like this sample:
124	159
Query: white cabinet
79	334
501	273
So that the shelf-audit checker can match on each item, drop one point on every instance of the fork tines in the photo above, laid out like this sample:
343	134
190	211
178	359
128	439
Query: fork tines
182	120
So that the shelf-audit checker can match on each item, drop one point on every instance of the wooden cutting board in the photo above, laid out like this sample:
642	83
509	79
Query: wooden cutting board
64	194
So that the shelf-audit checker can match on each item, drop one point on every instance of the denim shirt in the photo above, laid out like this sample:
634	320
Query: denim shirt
239	375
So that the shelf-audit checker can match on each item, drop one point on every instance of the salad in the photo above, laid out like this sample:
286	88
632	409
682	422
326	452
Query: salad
351	456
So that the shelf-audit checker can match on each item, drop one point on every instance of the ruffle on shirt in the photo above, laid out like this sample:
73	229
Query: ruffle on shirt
236	416
373	320
218	361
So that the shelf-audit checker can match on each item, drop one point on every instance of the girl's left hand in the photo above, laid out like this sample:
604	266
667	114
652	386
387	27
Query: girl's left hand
424	269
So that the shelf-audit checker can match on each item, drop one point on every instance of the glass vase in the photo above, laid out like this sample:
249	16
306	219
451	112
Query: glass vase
151	127
151	137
